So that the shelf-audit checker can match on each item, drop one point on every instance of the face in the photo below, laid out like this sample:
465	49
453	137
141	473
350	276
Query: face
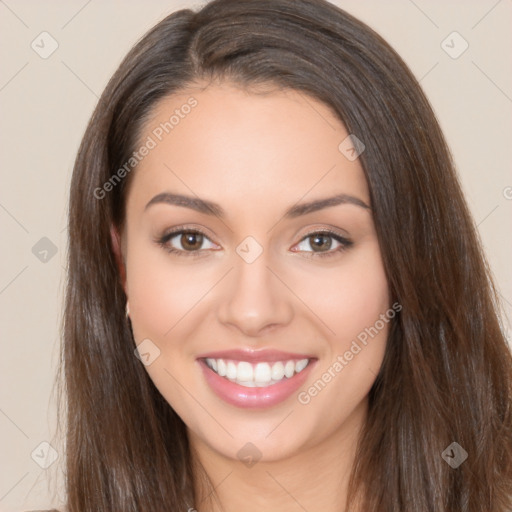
253	273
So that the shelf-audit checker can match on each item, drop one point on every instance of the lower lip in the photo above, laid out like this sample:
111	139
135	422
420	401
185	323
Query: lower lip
245	397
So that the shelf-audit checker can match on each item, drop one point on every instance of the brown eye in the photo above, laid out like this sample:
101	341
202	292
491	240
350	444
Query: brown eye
320	242
323	244
191	241
186	242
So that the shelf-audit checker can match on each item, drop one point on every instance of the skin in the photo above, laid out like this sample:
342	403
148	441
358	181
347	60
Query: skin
256	155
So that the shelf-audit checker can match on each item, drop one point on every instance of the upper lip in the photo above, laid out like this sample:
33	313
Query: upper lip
255	356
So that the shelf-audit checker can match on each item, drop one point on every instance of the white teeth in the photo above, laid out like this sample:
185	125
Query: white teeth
221	367
262	373
277	371
244	372
212	363
258	375
231	370
289	369
300	365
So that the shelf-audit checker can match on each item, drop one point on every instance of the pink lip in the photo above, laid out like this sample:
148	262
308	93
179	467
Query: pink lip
255	356
246	398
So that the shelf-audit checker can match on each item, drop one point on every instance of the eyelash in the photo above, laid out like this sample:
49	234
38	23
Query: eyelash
163	241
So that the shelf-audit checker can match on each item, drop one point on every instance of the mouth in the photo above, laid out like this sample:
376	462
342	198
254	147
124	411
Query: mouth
255	379
259	375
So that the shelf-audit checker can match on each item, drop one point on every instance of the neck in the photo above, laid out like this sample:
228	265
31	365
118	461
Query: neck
313	478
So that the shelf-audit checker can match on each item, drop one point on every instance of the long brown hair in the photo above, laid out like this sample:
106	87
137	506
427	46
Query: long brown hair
447	372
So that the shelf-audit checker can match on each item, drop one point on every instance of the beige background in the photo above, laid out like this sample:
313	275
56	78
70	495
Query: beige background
45	104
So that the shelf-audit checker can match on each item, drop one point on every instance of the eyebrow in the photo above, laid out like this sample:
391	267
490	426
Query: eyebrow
211	208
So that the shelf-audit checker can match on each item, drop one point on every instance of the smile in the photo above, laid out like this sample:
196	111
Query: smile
255	379
259	375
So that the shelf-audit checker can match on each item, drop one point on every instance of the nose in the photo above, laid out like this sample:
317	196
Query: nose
254	301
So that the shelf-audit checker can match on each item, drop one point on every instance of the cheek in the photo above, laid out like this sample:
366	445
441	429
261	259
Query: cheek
160	292
364	296
354	303
348	298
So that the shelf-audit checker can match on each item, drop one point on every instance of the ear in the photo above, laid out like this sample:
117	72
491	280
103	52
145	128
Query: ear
116	247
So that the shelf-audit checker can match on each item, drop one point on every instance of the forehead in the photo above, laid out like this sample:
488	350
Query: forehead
225	143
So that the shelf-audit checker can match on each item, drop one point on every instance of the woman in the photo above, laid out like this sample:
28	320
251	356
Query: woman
277	298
